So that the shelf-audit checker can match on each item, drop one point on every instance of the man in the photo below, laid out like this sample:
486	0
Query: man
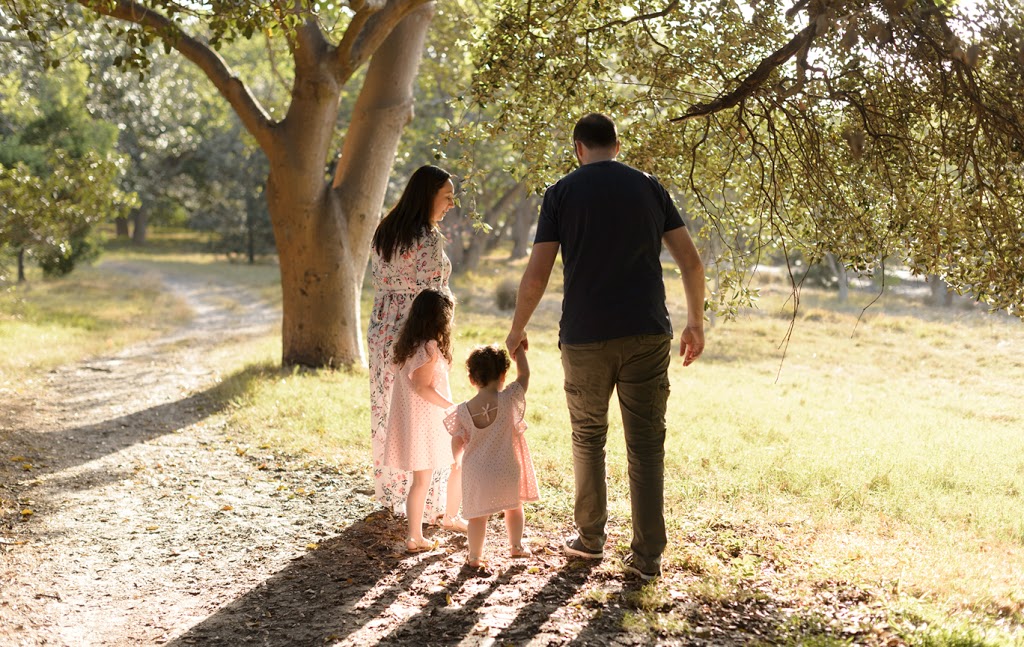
615	332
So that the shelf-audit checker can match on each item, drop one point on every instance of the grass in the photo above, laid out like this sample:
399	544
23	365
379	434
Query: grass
880	449
48	322
865	453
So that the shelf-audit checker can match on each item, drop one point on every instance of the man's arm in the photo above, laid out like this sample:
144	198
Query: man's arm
680	245
531	289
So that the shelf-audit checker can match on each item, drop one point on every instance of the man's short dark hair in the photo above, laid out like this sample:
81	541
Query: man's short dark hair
595	131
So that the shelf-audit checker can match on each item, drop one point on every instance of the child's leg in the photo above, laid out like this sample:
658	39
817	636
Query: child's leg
514	522
415	502
477	534
453	500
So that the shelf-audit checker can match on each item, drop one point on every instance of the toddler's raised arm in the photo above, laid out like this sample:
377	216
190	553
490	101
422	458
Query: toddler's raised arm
522	368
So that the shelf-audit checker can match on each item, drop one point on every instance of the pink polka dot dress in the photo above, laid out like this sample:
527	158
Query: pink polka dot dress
497	471
417	438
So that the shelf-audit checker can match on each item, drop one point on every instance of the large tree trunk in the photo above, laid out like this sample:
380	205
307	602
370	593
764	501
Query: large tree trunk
323	232
121	226
21	265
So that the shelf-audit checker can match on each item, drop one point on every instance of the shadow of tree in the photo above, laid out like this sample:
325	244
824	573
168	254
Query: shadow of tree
555	594
358	588
49	453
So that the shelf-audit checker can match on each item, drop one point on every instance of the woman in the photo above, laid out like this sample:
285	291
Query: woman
408	256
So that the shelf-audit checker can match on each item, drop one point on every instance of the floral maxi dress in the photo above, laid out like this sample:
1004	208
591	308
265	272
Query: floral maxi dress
396	284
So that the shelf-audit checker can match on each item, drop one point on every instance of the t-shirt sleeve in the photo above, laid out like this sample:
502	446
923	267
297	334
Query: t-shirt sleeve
547	224
517	398
672	219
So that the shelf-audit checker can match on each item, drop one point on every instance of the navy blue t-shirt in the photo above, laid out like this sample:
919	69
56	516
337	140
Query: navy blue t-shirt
608	219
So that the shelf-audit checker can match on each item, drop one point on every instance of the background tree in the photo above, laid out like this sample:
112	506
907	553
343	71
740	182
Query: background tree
322	222
871	129
58	169
491	193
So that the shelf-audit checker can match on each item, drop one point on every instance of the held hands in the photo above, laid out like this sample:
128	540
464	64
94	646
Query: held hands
515	340
691	344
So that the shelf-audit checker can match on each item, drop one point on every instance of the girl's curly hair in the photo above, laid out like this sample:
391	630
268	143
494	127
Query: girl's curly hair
430	318
486	364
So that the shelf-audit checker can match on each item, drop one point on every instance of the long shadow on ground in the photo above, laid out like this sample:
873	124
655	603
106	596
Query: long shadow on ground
357	589
94	441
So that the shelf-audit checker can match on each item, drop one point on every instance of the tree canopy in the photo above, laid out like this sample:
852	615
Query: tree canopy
871	129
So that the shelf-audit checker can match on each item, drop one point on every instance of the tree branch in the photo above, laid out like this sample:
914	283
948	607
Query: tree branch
755	79
252	114
309	43
368	29
273	63
643	17
342	55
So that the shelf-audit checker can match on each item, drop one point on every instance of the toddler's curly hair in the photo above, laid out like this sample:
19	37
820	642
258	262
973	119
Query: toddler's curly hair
486	364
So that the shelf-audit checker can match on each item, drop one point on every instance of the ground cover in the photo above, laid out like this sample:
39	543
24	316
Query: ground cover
864	489
859	455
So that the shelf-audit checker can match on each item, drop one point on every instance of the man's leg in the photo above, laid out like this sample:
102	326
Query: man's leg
589	380
643	397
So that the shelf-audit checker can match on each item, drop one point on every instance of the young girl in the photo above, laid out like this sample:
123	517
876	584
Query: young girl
416	439
487	438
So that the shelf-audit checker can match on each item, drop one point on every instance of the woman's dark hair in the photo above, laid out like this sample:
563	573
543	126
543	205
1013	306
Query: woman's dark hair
410	218
486	364
595	131
430	317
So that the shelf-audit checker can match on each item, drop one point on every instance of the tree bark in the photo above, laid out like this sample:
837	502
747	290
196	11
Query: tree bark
322	231
840	271
525	215
21	265
478	241
121	226
942	296
141	221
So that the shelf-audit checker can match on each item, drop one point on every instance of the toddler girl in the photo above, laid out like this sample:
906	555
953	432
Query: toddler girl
416	439
487	438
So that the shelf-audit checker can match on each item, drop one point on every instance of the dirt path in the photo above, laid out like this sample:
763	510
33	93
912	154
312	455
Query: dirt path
148	525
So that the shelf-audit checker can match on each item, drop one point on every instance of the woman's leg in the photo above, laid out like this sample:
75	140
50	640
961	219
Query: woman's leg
477	534
414	503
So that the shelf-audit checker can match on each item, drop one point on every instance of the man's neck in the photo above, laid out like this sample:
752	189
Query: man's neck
593	155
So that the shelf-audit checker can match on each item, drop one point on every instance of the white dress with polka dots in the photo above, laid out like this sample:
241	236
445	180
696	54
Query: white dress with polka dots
416	438
497	471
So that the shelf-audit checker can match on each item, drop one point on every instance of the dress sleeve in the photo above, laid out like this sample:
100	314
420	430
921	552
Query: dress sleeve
454	424
517	400
424	353
429	262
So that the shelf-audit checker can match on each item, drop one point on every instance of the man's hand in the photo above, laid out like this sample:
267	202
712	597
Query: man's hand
691	344
515	340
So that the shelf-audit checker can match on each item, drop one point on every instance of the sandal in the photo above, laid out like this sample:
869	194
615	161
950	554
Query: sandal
454	523
520	551
413	546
